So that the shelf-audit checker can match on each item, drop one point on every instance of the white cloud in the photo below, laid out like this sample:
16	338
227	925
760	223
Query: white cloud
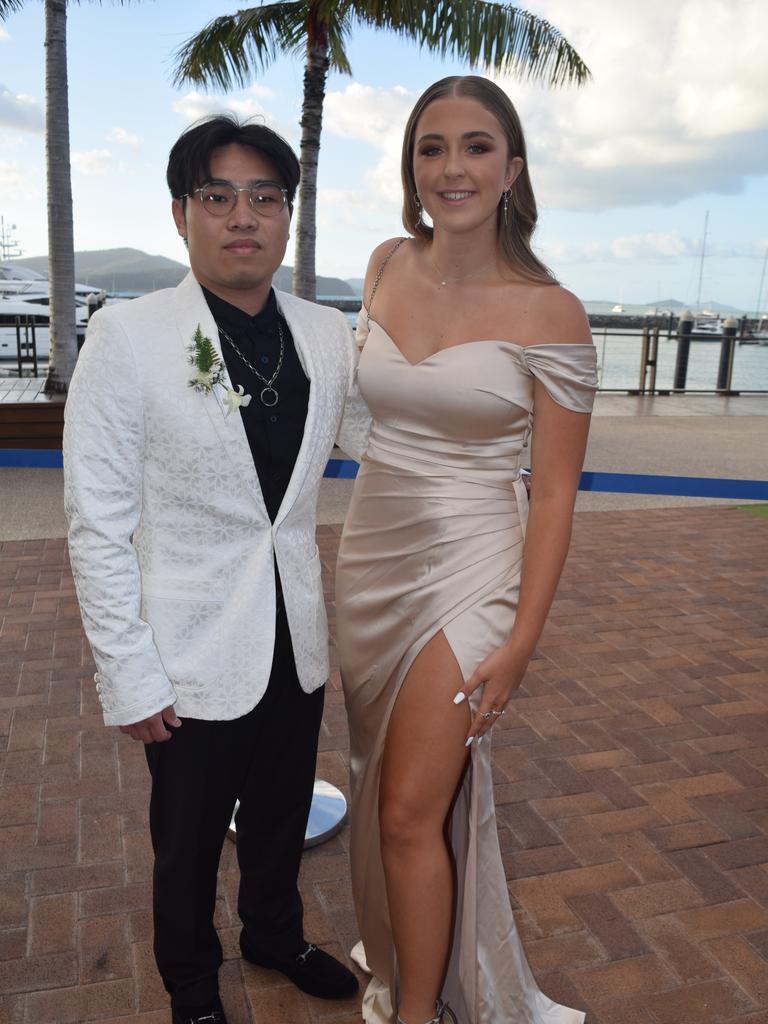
651	246
4	34
15	182
94	161
677	104
20	111
262	92
376	117
125	138
194	105
661	247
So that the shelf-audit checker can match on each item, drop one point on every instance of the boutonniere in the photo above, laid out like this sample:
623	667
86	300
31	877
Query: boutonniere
210	372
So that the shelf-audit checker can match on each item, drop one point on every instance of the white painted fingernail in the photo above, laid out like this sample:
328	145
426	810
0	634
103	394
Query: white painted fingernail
469	741
460	696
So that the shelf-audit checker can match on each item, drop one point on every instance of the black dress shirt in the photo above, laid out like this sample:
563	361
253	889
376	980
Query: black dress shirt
274	433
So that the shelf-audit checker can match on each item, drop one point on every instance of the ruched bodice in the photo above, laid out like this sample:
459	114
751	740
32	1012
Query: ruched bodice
468	406
433	542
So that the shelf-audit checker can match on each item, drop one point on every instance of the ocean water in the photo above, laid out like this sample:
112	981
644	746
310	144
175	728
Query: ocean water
618	357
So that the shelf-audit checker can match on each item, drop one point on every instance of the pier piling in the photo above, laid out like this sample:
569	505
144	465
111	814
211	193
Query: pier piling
684	328
727	348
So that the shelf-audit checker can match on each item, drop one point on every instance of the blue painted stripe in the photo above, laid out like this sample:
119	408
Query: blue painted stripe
613	483
631	483
31	458
341	469
679	486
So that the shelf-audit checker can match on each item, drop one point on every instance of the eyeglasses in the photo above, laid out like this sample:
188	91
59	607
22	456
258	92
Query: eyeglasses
220	198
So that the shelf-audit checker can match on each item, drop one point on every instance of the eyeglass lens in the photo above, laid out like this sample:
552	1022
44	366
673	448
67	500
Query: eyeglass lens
268	200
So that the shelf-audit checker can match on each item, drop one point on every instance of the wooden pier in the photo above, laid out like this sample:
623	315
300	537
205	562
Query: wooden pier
28	417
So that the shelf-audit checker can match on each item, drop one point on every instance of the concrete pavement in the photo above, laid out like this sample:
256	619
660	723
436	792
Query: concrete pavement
676	435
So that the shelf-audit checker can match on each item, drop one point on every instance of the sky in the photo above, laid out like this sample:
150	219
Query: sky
674	123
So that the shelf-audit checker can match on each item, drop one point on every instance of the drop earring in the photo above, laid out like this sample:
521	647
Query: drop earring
420	221
505	205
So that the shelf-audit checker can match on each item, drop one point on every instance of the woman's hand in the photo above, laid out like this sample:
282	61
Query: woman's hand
500	674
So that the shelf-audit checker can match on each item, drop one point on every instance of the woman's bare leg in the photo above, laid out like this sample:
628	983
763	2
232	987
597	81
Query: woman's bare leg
424	759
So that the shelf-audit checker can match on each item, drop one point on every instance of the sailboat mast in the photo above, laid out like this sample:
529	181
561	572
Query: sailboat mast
760	289
701	261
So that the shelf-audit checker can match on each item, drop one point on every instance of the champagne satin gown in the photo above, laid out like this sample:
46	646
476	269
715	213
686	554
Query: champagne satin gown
433	541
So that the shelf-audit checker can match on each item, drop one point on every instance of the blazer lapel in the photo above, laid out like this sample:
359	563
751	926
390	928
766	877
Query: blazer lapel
191	311
307	349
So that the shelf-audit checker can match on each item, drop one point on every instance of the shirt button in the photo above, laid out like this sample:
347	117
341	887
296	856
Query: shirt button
273	418
265	359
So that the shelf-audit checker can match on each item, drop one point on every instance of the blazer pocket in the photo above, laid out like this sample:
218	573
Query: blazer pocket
186	620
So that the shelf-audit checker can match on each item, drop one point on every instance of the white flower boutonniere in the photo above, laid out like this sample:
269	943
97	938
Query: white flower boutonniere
210	371
235	398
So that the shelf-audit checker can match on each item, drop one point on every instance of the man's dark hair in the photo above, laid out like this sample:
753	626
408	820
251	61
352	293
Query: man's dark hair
189	162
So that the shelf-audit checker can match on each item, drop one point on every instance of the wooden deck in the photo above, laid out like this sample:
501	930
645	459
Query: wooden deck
28	417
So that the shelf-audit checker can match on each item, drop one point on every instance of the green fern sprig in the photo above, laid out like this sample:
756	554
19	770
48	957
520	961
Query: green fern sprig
207	361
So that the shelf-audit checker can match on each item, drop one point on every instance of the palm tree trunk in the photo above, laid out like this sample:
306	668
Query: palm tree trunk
61	254
315	73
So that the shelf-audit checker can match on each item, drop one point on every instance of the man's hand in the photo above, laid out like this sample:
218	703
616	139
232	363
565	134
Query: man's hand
153	729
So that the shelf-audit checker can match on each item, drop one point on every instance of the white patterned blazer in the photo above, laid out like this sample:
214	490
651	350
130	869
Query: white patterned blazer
171	546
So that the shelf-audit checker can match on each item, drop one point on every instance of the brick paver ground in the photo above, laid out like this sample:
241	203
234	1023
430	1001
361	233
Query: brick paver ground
631	782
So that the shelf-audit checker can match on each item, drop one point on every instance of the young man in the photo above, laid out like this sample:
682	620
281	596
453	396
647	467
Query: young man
198	425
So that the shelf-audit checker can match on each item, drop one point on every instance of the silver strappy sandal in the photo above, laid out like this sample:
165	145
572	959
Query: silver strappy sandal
443	1014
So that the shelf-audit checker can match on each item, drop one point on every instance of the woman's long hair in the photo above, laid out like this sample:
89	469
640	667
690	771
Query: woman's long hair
515	235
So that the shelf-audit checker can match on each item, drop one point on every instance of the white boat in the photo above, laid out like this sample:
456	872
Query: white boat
33	319
708	324
19	282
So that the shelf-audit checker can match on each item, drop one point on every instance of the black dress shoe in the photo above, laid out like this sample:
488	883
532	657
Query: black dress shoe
208	1013
313	971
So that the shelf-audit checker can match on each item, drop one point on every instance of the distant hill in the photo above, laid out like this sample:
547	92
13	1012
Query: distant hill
131	270
710	304
283	280
719	307
117	270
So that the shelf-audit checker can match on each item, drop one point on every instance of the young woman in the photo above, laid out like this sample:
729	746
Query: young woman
471	351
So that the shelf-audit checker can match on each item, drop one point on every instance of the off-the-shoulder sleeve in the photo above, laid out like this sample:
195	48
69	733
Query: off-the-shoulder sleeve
568	372
362	327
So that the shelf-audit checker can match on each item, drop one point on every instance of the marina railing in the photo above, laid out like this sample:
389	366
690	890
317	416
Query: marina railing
682	333
684	336
26	345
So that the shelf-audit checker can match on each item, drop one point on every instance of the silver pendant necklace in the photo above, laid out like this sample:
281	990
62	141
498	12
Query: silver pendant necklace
269	395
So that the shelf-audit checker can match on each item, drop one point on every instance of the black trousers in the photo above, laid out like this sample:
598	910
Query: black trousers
266	759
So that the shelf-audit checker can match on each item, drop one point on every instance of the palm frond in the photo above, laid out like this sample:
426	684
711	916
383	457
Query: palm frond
225	52
339	28
493	35
8	7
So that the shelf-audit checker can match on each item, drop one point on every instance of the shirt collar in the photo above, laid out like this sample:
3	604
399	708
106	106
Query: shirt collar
233	319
